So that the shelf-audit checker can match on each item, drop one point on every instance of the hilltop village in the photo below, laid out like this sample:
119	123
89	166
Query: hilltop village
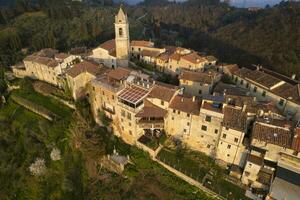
244	118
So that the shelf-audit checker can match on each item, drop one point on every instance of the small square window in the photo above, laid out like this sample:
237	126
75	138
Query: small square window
208	146
236	139
174	111
281	102
254	89
172	118
178	112
184	130
129	124
188	124
228	146
208	118
242	82
228	155
216	131
200	91
130	132
123	113
188	115
263	93
129	116
162	103
224	136
204	128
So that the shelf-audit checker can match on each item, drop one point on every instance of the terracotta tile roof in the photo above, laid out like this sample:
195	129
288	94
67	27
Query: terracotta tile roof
150	53
83	67
141	43
49	53
285	90
211	58
119	73
265	106
61	56
278	132
170	49
229	89
234	118
164	56
200	77
288	91
296	140
42	60
175	56
242	72
193	58
255	159
109	45
239	100
113	53
161	92
263	79
185	104
231	68
212	107
151	110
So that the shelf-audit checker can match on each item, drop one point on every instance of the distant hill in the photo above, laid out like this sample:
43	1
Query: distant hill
5	2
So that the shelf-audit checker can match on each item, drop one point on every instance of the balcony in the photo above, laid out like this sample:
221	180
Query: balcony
109	110
151	123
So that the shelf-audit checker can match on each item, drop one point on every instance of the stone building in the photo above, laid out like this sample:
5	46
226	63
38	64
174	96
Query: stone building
80	75
46	65
116	52
198	83
273	135
269	86
106	54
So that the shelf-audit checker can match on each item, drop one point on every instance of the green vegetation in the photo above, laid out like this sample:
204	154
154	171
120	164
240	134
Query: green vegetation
268	37
25	136
203	169
104	119
27	92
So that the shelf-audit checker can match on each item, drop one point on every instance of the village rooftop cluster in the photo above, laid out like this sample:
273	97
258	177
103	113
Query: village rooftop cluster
250	126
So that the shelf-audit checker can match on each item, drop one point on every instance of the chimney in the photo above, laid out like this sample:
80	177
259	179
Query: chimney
293	76
258	67
194	98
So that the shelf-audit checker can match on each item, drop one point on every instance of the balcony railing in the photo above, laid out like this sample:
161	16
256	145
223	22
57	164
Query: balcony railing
151	124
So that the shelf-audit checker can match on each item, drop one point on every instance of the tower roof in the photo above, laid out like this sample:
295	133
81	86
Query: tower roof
121	16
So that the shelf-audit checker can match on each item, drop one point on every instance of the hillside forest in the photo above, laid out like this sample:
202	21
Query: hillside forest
269	36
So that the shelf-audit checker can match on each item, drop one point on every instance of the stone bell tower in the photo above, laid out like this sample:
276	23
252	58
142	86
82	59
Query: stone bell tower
122	39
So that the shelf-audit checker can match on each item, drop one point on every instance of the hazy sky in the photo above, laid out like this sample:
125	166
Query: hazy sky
238	3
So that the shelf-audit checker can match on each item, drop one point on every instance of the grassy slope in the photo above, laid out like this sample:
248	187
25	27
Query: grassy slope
24	136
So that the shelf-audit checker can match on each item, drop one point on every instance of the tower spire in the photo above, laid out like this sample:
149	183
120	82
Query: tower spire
121	16
122	38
